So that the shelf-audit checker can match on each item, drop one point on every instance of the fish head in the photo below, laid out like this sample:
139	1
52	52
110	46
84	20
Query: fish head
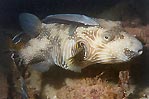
109	46
118	46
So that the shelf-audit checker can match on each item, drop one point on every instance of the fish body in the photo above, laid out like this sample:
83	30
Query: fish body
105	43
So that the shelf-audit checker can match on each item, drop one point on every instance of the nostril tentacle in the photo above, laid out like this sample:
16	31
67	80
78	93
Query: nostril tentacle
130	54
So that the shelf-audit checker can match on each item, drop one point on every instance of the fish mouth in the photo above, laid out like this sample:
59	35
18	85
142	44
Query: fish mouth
129	55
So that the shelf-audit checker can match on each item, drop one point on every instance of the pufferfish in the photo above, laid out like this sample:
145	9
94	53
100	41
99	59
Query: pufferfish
74	41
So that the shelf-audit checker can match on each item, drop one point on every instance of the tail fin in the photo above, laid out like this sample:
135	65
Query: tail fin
30	24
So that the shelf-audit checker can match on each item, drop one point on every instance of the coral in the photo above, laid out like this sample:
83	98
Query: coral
91	88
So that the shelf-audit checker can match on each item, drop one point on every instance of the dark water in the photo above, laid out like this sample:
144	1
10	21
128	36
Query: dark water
10	9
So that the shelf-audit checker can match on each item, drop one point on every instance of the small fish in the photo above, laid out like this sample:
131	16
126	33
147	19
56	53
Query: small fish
51	43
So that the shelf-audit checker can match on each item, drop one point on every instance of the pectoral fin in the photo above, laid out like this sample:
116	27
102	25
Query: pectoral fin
41	66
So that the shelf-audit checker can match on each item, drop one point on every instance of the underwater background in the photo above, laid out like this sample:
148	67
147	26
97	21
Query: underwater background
9	10
96	82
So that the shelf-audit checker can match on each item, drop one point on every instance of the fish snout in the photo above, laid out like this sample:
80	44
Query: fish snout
131	54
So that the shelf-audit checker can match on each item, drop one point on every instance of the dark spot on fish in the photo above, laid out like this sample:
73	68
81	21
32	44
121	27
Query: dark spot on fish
61	26
121	36
65	27
58	27
115	30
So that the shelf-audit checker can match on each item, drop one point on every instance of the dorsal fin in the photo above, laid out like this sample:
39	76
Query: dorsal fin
30	24
70	19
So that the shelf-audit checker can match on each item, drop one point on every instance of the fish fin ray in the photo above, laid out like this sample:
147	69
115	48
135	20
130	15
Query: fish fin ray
70	19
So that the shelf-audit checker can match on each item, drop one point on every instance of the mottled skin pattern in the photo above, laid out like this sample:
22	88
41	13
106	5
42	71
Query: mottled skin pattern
88	45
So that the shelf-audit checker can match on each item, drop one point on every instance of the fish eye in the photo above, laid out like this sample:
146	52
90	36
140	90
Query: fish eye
107	37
